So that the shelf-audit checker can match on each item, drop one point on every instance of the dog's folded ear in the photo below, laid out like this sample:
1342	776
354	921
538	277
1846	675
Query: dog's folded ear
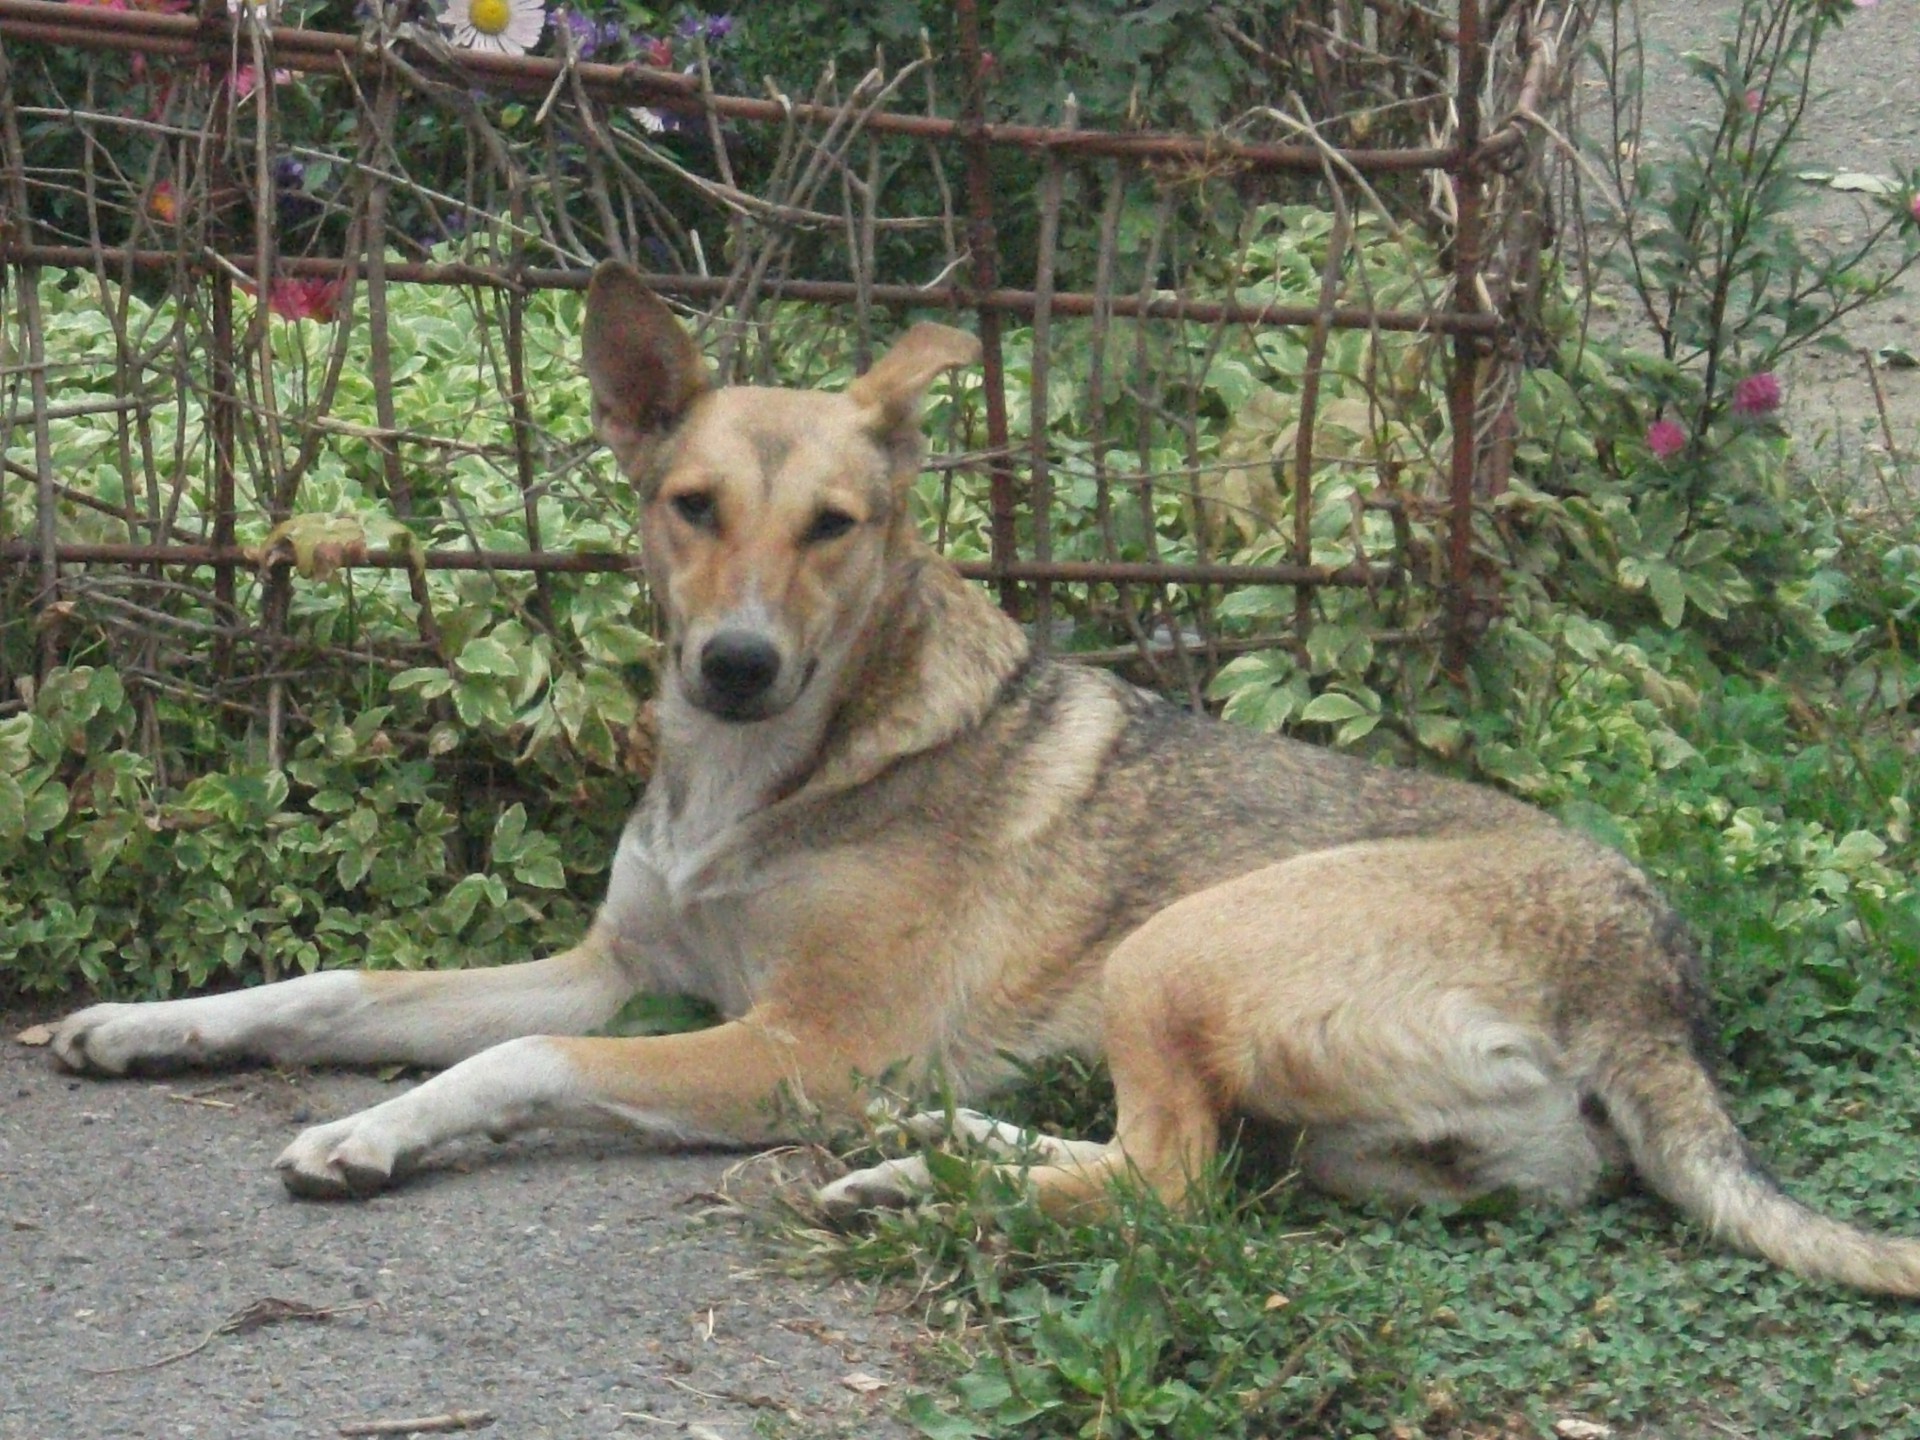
890	392
644	368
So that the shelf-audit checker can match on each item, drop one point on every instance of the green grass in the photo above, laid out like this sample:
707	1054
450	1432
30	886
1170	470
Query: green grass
1270	1310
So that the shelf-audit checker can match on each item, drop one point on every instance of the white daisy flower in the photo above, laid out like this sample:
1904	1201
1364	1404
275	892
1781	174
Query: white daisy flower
505	27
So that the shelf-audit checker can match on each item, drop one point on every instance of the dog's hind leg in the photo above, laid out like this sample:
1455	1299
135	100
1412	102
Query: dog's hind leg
1171	1085
355	1017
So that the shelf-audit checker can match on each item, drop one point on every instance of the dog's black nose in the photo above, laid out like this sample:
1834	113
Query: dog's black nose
739	667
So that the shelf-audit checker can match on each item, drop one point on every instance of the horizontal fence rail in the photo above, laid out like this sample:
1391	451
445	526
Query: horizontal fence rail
1313	397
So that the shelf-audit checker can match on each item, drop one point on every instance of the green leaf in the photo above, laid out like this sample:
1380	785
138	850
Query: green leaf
1332	707
353	868
13	809
1669	592
507	833
937	1424
950	1172
432	681
46	808
541	871
485	656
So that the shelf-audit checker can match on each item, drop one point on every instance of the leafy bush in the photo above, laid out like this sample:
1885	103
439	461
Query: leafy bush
424	814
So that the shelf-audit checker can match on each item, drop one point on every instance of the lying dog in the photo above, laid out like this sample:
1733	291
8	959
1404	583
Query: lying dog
882	831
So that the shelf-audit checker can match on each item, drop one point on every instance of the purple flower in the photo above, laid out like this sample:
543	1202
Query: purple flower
288	173
1666	439
1757	394
584	30
711	28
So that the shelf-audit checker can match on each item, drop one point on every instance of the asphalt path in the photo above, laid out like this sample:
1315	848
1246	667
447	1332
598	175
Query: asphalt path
565	1286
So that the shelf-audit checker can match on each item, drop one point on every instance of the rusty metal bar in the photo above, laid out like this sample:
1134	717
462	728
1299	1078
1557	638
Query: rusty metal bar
1002	300
1039	382
89	27
1330	272
982	272
1463	381
1086	572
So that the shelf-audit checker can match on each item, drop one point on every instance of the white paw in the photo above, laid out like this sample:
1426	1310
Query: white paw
896	1183
1000	1139
346	1160
111	1039
886	1186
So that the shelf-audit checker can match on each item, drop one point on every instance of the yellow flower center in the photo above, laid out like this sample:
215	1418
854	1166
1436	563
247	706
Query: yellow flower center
490	17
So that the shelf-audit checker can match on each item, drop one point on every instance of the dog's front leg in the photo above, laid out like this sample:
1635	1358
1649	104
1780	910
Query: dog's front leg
355	1017
715	1086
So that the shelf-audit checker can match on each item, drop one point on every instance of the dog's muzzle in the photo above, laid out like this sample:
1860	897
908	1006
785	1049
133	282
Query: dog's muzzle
737	673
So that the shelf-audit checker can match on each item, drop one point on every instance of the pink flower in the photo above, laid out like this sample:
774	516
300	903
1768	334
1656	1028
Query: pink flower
1913	206
1757	394
1753	102
310	298
246	80
1666	439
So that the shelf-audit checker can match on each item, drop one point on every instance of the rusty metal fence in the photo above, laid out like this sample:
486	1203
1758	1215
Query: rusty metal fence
239	208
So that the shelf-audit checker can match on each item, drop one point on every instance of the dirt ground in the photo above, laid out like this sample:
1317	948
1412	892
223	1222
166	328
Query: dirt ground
572	1288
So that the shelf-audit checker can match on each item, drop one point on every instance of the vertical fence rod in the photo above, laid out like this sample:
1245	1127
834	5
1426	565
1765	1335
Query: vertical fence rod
222	424
1463	381
1330	271
46	529
1041	474
983	270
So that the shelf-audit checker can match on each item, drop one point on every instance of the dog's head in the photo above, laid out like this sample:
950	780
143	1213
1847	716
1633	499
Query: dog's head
769	515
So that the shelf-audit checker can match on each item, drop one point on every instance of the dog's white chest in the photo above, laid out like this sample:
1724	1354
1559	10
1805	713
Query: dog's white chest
681	912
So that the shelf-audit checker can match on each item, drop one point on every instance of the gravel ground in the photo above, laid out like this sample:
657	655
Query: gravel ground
569	1287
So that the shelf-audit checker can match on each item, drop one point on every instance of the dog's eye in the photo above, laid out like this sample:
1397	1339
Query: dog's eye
829	525
695	507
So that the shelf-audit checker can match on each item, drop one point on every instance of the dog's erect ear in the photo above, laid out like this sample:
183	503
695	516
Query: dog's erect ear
890	392
644	368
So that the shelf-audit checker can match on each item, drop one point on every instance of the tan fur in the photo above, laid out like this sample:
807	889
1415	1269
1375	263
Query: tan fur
882	834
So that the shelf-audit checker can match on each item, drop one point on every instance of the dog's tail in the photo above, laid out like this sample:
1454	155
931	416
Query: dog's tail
1663	1103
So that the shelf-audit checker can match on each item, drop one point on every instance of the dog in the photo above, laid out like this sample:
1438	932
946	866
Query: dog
881	830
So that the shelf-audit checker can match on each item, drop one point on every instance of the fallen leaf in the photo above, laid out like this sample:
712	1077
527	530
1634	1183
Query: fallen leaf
1276	1302
1860	181
862	1383
36	1035
1572	1429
